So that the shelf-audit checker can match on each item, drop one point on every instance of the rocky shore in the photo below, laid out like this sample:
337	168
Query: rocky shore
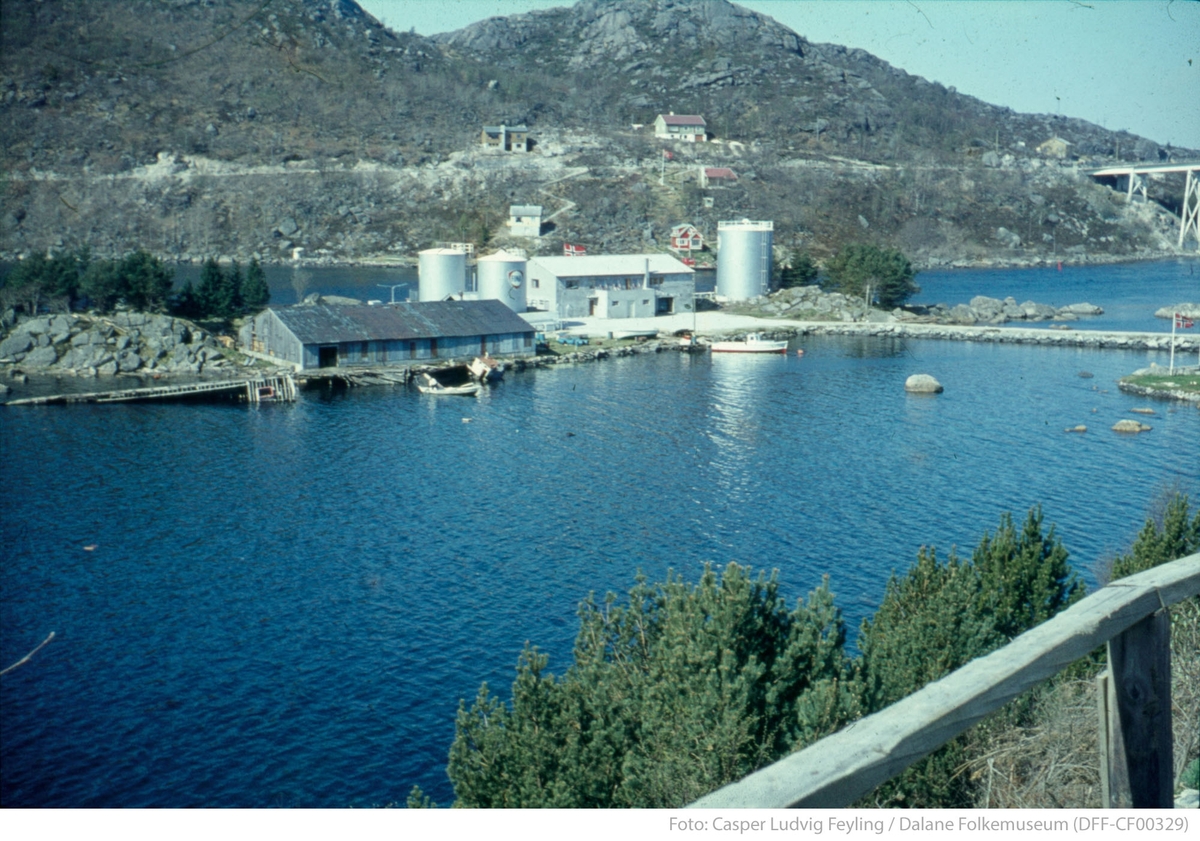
813	303
103	346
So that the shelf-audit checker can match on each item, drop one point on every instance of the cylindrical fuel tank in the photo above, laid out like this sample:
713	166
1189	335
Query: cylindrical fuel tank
744	258
443	274
502	276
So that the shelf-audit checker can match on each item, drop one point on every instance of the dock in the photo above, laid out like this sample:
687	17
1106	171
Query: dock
281	388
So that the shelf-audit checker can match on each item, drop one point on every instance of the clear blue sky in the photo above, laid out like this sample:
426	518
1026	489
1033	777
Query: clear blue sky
1123	64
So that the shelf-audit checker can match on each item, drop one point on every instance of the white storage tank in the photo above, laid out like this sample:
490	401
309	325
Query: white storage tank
744	259
443	273
501	276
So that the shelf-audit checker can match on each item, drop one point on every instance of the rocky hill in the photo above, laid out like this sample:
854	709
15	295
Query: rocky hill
243	127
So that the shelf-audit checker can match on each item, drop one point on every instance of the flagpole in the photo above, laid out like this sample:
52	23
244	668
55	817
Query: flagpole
1174	321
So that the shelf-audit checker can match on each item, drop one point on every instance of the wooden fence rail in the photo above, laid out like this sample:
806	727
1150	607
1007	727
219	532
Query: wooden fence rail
841	768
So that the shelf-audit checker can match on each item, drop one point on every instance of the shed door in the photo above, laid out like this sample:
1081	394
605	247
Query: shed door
327	356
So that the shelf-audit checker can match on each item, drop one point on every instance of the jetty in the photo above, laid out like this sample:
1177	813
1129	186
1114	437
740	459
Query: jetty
279	388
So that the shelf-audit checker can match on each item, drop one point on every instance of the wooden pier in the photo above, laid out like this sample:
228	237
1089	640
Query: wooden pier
259	390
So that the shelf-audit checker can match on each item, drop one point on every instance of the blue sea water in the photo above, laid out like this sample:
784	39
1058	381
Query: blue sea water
282	606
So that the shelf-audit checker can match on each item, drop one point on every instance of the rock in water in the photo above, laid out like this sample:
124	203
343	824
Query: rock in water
922	384
1130	426
1079	428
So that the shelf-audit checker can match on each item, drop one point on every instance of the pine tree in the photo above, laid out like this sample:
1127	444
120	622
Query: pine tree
1025	578
255	292
208	294
229	296
675	693
800	271
1162	540
861	269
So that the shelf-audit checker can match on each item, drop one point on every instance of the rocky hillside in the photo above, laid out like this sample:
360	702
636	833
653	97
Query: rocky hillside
243	127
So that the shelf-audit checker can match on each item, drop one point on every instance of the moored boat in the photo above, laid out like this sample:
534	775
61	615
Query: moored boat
429	385
753	343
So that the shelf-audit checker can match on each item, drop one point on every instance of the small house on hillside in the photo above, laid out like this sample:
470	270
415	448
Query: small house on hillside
717	176
525	220
508	138
310	336
686	238
687	127
1055	147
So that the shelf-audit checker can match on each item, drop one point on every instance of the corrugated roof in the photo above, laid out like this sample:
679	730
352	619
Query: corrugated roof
682	119
326	324
627	265
719	172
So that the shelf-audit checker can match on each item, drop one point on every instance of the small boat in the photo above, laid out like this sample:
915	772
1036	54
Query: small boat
633	334
485	369
431	386
753	343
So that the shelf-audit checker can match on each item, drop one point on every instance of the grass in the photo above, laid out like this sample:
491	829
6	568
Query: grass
1052	759
1187	382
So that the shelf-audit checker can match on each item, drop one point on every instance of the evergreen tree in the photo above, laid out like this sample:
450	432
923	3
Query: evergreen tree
45	280
208	294
1025	578
145	281
229	301
255	292
670	696
861	269
1160	541
103	285
187	302
800	271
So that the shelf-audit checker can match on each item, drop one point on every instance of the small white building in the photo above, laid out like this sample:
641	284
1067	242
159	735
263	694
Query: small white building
525	220
690	128
611	286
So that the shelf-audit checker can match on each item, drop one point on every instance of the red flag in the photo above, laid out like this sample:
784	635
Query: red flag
573	250
1183	322
667	154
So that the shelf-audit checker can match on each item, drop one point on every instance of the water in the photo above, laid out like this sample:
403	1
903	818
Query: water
284	605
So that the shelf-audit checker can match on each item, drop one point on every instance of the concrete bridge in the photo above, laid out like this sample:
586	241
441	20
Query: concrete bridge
1189	216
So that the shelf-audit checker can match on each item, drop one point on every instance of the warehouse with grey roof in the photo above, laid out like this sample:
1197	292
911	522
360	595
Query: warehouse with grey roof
327	336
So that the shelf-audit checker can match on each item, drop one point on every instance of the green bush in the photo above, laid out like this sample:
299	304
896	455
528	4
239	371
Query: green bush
679	691
862	270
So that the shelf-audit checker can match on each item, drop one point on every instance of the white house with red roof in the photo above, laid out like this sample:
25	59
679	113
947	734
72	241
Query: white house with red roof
687	127
717	176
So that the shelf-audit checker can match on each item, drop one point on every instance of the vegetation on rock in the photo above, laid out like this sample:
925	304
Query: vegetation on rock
881	275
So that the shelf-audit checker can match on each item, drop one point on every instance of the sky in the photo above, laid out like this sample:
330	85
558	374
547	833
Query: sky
1122	64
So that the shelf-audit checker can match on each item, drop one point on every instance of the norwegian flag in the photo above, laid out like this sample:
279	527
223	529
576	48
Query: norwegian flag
667	155
690	262
1183	322
573	250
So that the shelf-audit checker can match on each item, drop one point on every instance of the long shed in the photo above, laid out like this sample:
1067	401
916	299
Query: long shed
328	336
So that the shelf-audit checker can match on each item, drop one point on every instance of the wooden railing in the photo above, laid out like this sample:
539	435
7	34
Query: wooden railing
1129	614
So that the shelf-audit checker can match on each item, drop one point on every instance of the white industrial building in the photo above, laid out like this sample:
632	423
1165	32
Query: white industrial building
611	286
525	220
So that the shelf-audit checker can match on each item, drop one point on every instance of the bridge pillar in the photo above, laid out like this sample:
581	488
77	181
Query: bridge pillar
1189	217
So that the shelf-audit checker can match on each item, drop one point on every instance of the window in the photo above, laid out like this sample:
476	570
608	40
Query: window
571	284
528	340
536	283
